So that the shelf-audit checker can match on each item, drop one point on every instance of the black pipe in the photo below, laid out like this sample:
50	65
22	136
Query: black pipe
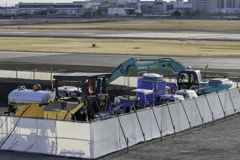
104	86
56	86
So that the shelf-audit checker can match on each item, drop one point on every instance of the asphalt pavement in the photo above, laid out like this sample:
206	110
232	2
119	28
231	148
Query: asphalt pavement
77	34
113	60
40	20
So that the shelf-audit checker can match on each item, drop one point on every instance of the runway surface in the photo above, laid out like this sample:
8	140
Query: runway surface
227	63
32	21
192	36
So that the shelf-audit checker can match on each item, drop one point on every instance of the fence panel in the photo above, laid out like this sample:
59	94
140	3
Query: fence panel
167	127
131	128
204	109
24	75
47	141
235	95
192	112
226	102
149	124
215	106
73	139
7	74
42	76
105	137
25	134
159	117
179	118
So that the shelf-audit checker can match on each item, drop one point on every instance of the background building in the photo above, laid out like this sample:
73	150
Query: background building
149	7
122	7
205	6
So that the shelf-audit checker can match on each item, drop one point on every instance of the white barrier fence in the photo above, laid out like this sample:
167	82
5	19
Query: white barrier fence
34	75
101	137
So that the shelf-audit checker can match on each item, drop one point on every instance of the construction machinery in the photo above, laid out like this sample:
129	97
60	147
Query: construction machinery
186	77
93	100
68	91
150	88
191	79
23	96
168	98
134	64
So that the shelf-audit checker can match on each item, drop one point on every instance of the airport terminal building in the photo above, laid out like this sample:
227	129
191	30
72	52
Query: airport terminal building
50	8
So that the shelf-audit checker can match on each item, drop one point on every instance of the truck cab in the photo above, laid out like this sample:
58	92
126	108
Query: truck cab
192	80
186	93
189	79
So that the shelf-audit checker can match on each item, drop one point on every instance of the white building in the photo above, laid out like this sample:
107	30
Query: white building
3	11
181	5
116	12
228	4
205	6
11	11
91	5
138	10
68	8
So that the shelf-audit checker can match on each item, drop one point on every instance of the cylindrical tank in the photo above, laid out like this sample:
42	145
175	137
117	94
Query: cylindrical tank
152	77
26	96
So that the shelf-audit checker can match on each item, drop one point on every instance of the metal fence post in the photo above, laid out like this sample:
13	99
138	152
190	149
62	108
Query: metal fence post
209	108
199	111
222	106
157	122
139	124
186	115
232	102
171	120
162	124
51	76
126	140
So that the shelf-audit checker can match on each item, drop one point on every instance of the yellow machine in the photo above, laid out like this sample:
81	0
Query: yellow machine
62	114
37	110
92	101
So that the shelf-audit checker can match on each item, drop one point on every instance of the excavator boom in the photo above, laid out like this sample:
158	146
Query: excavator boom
134	64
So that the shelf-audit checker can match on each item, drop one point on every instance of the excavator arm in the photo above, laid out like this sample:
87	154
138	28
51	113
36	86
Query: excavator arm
134	64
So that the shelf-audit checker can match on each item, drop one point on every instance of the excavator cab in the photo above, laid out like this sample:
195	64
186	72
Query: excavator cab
189	79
